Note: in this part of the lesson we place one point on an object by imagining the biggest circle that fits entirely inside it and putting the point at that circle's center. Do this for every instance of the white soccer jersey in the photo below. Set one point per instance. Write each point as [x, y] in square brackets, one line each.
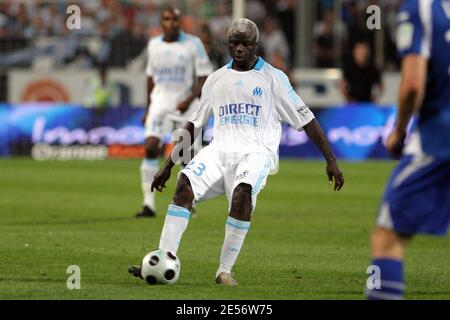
[248, 108]
[173, 66]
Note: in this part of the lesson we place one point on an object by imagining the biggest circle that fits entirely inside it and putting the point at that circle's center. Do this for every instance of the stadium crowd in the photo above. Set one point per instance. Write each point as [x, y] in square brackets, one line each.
[116, 31]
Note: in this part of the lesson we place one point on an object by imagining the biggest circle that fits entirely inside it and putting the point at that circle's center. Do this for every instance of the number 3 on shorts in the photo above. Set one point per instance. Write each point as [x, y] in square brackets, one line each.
[199, 170]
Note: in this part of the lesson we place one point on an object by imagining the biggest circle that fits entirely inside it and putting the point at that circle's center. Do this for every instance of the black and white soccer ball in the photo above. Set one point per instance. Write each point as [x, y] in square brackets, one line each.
[160, 267]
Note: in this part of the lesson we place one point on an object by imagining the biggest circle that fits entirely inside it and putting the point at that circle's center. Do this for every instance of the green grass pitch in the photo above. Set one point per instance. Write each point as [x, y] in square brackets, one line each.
[305, 242]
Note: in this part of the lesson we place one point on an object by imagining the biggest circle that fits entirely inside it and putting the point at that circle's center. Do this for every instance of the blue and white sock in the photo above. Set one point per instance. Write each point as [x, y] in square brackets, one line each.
[235, 232]
[391, 285]
[176, 222]
[149, 168]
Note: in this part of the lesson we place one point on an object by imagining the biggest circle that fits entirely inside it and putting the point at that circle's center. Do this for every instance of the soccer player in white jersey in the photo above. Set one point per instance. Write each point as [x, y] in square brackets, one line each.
[176, 70]
[248, 99]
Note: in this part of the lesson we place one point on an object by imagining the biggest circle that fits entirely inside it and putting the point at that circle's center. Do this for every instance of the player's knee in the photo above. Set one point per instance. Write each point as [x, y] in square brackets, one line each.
[183, 193]
[152, 149]
[388, 243]
[241, 203]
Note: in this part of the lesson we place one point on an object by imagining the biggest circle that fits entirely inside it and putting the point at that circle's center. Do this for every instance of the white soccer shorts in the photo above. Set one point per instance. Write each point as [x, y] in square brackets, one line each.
[213, 172]
[160, 123]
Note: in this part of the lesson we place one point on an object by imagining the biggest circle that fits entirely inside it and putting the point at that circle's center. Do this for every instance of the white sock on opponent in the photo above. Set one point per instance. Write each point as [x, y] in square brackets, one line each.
[235, 232]
[149, 168]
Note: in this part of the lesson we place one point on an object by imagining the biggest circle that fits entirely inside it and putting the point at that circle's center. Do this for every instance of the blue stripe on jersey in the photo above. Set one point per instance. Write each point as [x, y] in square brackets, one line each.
[259, 64]
[285, 80]
[200, 51]
[182, 37]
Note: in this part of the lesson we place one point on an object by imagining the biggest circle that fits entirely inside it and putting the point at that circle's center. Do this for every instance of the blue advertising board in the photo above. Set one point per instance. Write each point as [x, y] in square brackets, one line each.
[355, 132]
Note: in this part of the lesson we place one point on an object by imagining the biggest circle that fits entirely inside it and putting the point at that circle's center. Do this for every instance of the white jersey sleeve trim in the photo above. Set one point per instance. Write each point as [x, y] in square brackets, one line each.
[425, 13]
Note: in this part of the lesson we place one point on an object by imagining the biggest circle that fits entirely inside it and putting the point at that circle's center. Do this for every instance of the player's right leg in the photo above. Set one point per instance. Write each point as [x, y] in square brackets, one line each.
[201, 179]
[416, 200]
[178, 215]
[176, 222]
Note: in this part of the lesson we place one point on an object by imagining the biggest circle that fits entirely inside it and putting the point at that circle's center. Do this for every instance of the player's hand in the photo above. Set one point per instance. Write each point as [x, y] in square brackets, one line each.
[160, 179]
[333, 172]
[183, 106]
[396, 142]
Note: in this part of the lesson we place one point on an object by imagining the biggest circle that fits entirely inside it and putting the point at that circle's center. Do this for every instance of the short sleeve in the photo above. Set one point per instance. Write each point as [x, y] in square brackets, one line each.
[149, 68]
[413, 29]
[203, 110]
[289, 105]
[203, 66]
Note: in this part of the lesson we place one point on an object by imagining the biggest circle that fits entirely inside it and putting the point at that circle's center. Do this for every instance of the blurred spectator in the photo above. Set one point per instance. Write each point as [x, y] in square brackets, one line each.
[255, 11]
[222, 21]
[100, 91]
[273, 41]
[279, 62]
[114, 29]
[390, 34]
[129, 40]
[3, 25]
[355, 19]
[286, 11]
[361, 77]
[326, 33]
[215, 55]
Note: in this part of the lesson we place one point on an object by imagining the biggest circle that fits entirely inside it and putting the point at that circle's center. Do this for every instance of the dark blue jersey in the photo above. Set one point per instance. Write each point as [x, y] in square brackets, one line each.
[424, 29]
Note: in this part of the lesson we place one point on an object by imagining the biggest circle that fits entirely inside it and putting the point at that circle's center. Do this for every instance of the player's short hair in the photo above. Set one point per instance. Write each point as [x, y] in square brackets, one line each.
[171, 8]
[244, 25]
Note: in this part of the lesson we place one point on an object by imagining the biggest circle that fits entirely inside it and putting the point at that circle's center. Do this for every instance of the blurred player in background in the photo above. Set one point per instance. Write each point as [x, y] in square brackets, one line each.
[177, 68]
[417, 198]
[248, 99]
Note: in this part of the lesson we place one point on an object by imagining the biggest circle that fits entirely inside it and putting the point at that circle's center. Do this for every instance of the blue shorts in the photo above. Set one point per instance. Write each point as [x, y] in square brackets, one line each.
[417, 197]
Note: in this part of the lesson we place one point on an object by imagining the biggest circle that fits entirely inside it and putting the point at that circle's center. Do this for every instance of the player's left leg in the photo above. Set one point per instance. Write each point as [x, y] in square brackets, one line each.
[247, 181]
[236, 228]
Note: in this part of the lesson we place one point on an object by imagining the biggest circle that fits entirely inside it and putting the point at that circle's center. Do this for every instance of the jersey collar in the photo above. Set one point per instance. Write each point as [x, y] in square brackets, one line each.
[181, 37]
[258, 65]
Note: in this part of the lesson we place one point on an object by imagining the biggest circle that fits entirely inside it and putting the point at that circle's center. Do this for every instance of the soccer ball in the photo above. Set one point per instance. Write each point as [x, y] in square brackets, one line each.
[160, 267]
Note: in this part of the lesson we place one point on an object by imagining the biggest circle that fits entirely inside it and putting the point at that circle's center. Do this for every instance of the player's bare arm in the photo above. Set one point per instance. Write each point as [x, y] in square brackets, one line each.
[163, 175]
[316, 134]
[150, 86]
[412, 90]
[195, 92]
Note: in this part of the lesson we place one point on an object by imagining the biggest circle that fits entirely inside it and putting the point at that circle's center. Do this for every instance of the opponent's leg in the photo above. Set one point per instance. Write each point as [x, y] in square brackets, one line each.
[388, 249]
[236, 228]
[178, 214]
[149, 168]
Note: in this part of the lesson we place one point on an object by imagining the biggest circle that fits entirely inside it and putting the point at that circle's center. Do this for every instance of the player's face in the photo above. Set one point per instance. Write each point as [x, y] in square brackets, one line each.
[242, 47]
[170, 24]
